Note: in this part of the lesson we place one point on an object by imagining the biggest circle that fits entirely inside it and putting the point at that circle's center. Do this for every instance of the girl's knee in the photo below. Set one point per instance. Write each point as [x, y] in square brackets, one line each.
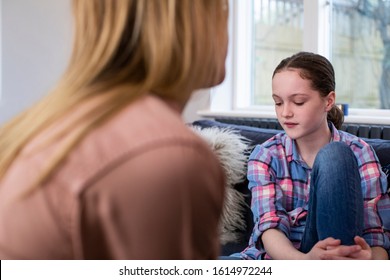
[335, 151]
[336, 157]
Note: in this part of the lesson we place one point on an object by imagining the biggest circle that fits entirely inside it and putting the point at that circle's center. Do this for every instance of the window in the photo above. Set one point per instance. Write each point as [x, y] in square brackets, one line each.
[278, 33]
[359, 39]
[353, 34]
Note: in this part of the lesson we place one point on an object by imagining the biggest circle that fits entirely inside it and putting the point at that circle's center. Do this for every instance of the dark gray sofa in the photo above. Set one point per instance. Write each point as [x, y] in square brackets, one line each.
[257, 136]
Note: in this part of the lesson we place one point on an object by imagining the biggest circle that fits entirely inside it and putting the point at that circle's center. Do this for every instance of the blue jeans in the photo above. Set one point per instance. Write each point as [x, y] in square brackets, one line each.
[336, 200]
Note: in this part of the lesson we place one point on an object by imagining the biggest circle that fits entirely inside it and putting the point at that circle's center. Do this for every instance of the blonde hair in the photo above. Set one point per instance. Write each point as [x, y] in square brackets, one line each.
[122, 50]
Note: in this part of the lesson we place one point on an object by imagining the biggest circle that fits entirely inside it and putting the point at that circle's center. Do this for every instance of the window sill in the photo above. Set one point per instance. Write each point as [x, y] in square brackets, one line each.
[380, 117]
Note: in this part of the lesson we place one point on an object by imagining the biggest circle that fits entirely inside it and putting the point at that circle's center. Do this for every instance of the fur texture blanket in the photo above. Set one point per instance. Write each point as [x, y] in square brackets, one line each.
[232, 151]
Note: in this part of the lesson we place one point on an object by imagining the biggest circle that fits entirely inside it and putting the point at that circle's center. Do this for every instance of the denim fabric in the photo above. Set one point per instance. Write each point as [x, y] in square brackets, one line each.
[336, 200]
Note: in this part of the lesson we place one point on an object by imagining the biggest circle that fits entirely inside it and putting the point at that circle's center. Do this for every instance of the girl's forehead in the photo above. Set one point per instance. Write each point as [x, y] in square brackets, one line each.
[290, 78]
[290, 83]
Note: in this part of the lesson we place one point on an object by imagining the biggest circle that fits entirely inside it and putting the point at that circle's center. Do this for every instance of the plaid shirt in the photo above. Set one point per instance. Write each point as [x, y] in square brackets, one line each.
[279, 181]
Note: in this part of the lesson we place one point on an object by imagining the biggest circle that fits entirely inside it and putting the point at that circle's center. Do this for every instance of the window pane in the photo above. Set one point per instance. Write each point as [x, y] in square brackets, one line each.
[278, 32]
[360, 36]
[359, 30]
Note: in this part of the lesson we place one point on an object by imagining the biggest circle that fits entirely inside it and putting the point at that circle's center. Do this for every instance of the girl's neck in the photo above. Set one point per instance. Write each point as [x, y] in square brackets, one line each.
[309, 146]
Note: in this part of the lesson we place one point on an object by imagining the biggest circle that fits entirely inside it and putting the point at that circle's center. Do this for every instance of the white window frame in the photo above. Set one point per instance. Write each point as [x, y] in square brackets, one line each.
[233, 97]
[1, 52]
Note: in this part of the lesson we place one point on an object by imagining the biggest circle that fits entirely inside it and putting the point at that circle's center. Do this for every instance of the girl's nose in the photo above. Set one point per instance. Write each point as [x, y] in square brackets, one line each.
[286, 111]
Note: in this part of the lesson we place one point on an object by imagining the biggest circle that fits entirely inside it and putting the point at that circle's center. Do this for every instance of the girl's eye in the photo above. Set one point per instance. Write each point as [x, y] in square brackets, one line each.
[299, 103]
[278, 103]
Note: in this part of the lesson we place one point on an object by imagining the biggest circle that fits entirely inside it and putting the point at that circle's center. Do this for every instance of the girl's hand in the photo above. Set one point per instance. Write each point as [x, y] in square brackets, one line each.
[360, 251]
[320, 248]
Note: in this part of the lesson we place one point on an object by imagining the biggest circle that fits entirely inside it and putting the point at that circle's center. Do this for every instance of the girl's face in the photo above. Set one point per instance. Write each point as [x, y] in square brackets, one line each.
[301, 110]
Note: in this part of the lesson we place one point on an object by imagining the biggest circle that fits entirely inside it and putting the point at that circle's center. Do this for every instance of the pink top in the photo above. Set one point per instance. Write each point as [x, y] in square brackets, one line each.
[142, 186]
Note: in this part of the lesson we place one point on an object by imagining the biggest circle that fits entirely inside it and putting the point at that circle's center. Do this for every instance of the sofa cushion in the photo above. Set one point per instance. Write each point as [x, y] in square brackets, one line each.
[382, 150]
[254, 134]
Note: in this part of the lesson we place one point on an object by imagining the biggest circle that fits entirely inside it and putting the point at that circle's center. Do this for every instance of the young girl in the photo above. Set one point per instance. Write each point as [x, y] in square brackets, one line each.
[104, 167]
[317, 192]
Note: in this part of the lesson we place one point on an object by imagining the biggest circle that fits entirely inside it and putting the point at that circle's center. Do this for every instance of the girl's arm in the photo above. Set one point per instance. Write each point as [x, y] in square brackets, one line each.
[376, 199]
[279, 247]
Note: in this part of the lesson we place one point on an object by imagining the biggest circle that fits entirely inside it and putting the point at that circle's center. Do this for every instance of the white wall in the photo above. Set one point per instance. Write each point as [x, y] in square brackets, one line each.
[36, 38]
[200, 100]
[36, 41]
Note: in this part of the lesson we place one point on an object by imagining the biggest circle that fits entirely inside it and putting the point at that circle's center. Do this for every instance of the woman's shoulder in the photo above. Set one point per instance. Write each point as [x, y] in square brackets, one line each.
[146, 127]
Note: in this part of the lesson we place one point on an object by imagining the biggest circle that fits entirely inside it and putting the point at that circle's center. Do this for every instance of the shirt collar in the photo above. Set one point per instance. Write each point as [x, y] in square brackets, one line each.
[292, 150]
[335, 133]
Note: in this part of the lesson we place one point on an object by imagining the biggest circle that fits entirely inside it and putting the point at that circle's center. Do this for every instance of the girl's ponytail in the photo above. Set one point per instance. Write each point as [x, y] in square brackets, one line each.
[336, 116]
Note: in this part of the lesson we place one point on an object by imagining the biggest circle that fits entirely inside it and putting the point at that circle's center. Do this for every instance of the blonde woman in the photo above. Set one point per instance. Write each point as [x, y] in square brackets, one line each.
[103, 167]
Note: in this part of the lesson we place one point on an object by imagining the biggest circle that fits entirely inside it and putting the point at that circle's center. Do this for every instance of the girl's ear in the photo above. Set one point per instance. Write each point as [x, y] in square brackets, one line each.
[330, 100]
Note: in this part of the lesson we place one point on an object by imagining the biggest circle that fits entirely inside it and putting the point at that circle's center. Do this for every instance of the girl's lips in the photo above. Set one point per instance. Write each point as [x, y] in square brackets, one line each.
[290, 125]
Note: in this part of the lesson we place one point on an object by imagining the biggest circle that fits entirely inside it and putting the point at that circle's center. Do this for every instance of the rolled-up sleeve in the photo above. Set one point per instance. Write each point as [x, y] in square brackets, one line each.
[376, 200]
[267, 195]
